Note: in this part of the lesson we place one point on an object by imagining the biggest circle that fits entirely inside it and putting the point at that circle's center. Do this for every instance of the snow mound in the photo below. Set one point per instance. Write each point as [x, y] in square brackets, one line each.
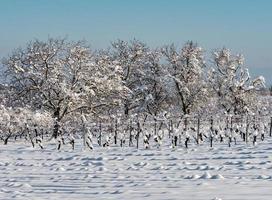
[262, 177]
[60, 169]
[206, 175]
[217, 176]
[195, 176]
[26, 186]
[216, 198]
[102, 169]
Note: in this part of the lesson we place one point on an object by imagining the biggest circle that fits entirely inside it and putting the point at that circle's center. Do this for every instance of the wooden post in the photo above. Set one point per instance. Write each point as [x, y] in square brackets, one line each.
[115, 131]
[130, 133]
[198, 130]
[100, 134]
[231, 122]
[231, 128]
[170, 128]
[227, 122]
[138, 133]
[270, 134]
[155, 126]
[247, 126]
[211, 134]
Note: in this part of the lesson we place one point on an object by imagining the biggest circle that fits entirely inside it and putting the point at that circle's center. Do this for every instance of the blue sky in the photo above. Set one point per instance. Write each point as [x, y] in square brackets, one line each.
[241, 25]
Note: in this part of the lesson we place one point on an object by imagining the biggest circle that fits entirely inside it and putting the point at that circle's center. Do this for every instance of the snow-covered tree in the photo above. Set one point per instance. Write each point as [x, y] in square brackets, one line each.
[154, 85]
[6, 95]
[5, 124]
[232, 84]
[62, 77]
[18, 122]
[131, 57]
[64, 89]
[185, 70]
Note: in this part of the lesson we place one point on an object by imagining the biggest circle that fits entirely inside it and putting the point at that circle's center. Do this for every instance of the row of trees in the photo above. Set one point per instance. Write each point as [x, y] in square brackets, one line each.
[73, 86]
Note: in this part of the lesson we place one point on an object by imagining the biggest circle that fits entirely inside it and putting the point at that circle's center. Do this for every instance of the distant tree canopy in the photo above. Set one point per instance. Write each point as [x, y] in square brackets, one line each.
[66, 79]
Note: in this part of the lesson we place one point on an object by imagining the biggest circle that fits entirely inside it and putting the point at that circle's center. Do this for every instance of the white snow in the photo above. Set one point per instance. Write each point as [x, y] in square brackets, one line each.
[239, 172]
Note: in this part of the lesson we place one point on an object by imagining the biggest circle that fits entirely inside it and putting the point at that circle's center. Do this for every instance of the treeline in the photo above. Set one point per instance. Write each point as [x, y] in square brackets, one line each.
[72, 86]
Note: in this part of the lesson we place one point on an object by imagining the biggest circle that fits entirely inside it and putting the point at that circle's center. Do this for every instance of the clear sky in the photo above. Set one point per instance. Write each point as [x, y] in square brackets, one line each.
[242, 25]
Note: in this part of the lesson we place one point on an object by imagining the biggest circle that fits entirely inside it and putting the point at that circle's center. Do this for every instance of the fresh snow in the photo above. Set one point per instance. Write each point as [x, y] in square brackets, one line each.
[240, 172]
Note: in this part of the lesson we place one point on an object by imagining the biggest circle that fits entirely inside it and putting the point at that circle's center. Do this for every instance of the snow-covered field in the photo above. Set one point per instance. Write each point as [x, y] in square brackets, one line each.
[239, 172]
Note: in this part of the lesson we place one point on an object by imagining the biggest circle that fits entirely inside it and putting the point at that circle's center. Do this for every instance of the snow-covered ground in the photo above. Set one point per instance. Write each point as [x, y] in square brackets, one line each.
[239, 172]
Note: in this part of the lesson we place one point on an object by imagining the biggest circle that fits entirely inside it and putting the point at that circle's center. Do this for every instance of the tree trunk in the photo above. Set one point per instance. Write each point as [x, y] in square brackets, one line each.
[186, 142]
[126, 109]
[6, 140]
[56, 123]
[31, 139]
